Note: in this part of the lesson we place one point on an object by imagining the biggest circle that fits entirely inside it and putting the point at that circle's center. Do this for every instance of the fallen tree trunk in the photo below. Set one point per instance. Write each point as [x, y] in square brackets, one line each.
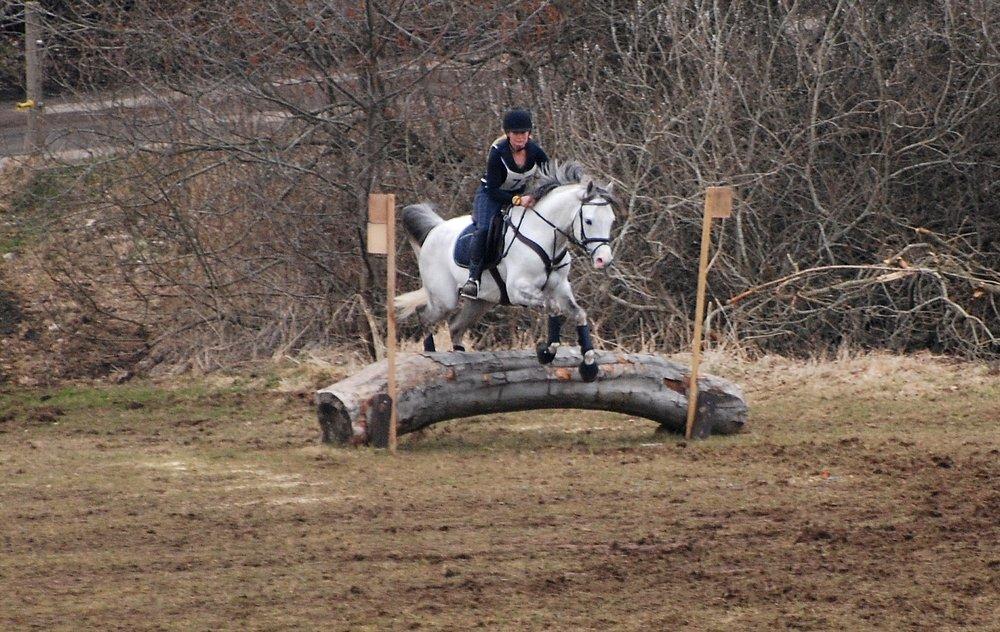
[435, 387]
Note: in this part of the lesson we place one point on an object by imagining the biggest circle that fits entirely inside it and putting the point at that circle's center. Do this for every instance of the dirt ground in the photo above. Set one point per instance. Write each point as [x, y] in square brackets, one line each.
[864, 496]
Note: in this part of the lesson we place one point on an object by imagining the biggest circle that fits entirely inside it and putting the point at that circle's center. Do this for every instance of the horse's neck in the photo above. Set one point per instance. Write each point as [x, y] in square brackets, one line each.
[557, 207]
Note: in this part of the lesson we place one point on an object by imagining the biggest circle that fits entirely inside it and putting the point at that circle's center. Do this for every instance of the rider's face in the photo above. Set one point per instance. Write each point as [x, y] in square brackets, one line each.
[518, 140]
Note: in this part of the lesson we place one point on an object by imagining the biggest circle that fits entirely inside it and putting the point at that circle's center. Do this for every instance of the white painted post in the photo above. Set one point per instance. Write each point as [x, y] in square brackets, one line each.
[32, 75]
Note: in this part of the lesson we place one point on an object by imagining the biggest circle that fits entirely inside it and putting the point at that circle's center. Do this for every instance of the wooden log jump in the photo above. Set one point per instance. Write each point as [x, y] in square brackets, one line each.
[435, 387]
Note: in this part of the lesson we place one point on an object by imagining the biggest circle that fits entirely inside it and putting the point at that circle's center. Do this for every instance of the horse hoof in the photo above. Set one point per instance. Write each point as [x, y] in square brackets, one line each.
[544, 355]
[588, 371]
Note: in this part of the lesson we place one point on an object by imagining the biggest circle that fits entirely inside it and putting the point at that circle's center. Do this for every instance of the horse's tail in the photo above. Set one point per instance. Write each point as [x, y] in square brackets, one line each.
[407, 304]
[419, 219]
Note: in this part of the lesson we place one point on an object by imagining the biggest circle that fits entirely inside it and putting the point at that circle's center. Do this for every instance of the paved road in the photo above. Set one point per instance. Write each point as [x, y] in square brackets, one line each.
[65, 124]
[68, 126]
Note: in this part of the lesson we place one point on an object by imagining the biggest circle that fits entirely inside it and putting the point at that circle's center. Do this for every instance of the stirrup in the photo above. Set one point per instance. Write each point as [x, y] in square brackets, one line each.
[470, 289]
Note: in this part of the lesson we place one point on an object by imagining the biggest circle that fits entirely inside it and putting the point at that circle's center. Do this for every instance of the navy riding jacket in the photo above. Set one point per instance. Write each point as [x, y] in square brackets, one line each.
[504, 179]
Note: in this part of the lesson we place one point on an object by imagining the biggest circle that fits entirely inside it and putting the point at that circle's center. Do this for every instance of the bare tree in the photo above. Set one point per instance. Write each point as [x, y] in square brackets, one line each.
[228, 221]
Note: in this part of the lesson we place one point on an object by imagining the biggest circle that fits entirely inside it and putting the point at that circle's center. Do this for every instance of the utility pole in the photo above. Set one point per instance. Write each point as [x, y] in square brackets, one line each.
[32, 74]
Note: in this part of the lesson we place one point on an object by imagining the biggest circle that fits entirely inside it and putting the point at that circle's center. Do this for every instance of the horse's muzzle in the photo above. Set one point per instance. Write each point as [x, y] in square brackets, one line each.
[602, 256]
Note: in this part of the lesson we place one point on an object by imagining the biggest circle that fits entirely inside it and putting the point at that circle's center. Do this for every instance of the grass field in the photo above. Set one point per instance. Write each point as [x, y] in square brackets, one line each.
[865, 495]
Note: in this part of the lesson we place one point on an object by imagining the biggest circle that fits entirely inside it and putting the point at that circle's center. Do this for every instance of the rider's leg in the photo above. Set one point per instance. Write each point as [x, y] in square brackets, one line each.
[477, 254]
[483, 209]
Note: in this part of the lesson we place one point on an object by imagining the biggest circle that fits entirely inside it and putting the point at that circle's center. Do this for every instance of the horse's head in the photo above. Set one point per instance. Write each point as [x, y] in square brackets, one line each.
[593, 229]
[578, 209]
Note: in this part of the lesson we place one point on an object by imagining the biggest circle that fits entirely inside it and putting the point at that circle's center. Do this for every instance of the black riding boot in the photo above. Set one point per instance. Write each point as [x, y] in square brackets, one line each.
[476, 256]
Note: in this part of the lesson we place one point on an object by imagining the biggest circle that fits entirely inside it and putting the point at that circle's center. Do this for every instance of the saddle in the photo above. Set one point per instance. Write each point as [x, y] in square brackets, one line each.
[494, 243]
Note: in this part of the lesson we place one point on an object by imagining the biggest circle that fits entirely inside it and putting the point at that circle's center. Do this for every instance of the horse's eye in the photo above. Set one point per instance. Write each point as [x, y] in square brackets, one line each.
[589, 222]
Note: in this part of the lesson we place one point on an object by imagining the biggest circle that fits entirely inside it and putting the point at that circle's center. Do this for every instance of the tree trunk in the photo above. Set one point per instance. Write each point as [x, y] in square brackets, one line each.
[434, 387]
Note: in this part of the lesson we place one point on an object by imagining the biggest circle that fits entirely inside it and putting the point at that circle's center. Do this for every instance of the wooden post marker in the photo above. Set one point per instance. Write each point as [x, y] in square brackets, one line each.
[382, 241]
[32, 75]
[718, 204]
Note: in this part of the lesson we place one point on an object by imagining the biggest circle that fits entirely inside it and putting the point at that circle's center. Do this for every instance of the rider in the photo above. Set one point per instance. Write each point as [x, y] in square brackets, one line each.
[514, 157]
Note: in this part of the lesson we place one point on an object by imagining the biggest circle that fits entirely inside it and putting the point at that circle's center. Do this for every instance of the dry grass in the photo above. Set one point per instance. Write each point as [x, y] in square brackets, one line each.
[865, 496]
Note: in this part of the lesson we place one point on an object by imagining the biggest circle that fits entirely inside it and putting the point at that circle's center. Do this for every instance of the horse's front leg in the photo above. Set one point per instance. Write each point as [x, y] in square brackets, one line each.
[588, 368]
[527, 293]
[546, 351]
[530, 293]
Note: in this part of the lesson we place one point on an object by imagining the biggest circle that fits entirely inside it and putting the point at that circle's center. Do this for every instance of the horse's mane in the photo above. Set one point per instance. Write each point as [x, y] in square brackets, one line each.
[555, 174]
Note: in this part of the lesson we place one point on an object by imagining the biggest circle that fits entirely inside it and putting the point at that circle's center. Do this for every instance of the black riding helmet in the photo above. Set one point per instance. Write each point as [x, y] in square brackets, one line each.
[517, 121]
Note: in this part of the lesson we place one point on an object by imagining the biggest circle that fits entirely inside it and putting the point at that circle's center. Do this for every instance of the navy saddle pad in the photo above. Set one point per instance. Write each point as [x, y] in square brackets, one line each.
[463, 245]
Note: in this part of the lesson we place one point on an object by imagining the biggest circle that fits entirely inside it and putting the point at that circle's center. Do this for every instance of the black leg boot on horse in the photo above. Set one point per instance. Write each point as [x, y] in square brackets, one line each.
[546, 351]
[588, 368]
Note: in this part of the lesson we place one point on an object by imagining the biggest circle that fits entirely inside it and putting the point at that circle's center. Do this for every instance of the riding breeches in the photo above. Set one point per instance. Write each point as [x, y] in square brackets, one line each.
[484, 209]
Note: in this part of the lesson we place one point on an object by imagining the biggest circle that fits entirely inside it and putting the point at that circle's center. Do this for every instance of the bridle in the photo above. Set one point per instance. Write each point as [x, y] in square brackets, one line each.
[552, 262]
[585, 242]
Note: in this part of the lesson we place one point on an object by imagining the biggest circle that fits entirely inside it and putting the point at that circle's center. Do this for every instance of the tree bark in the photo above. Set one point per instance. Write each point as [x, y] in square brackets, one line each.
[435, 387]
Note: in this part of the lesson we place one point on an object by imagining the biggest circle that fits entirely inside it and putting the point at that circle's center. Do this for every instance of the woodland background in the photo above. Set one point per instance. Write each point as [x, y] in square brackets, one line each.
[862, 139]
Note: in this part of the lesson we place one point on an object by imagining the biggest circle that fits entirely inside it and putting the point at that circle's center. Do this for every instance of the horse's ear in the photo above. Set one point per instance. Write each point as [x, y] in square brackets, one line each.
[610, 188]
[590, 189]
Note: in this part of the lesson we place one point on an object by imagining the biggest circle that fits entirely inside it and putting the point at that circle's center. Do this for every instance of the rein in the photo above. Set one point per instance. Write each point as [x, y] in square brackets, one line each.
[583, 230]
[551, 262]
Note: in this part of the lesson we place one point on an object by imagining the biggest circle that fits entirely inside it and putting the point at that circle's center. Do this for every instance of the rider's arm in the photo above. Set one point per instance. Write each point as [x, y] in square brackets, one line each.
[537, 154]
[496, 175]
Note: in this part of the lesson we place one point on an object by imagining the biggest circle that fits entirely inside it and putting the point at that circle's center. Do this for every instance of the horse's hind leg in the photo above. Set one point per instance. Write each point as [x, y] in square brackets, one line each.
[429, 343]
[469, 313]
[430, 315]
